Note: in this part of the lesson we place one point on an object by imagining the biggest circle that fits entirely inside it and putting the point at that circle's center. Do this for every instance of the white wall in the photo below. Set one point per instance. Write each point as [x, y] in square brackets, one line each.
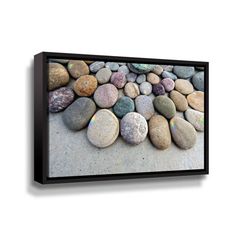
[200, 30]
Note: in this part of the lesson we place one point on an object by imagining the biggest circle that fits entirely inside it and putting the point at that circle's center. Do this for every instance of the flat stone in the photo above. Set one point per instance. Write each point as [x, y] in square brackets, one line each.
[184, 72]
[144, 106]
[131, 90]
[131, 77]
[124, 69]
[159, 132]
[85, 85]
[59, 99]
[196, 118]
[118, 79]
[113, 66]
[196, 100]
[153, 78]
[78, 114]
[106, 95]
[77, 68]
[145, 88]
[198, 81]
[141, 78]
[140, 68]
[103, 129]
[96, 66]
[158, 89]
[134, 128]
[167, 74]
[183, 86]
[157, 69]
[123, 106]
[179, 100]
[58, 76]
[103, 75]
[165, 106]
[183, 133]
[168, 84]
[62, 61]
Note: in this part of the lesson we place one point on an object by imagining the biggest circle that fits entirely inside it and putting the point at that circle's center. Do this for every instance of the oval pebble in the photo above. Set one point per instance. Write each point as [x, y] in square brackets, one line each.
[196, 118]
[198, 81]
[158, 89]
[157, 70]
[106, 95]
[179, 100]
[77, 68]
[118, 79]
[103, 128]
[58, 76]
[96, 66]
[124, 69]
[183, 86]
[183, 133]
[168, 84]
[131, 90]
[59, 99]
[184, 72]
[144, 106]
[159, 132]
[78, 114]
[153, 78]
[167, 74]
[165, 106]
[134, 128]
[196, 100]
[141, 78]
[103, 75]
[85, 85]
[131, 77]
[123, 106]
[140, 68]
[145, 88]
[113, 66]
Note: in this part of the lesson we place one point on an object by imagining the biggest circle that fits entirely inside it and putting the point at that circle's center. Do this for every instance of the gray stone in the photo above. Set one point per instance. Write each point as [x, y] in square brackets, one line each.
[96, 66]
[157, 69]
[141, 78]
[167, 74]
[183, 86]
[168, 68]
[198, 81]
[103, 75]
[124, 69]
[131, 77]
[113, 66]
[144, 106]
[184, 72]
[145, 88]
[196, 118]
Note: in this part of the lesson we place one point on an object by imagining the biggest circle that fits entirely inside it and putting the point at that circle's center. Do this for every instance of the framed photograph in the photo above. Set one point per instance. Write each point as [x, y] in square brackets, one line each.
[106, 117]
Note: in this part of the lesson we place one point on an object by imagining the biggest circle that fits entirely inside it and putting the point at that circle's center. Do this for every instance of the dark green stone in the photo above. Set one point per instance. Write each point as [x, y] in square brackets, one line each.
[123, 106]
[140, 68]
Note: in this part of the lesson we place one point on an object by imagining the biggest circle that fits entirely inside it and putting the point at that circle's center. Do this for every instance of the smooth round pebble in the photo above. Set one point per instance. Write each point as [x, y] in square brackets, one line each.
[183, 86]
[103, 128]
[157, 69]
[59, 99]
[168, 84]
[165, 106]
[184, 72]
[131, 90]
[179, 100]
[198, 81]
[106, 95]
[77, 68]
[141, 78]
[183, 133]
[140, 68]
[124, 69]
[145, 88]
[196, 100]
[158, 89]
[78, 114]
[159, 132]
[133, 128]
[131, 77]
[96, 66]
[118, 79]
[167, 74]
[144, 106]
[196, 118]
[103, 75]
[85, 85]
[153, 78]
[58, 76]
[123, 106]
[113, 66]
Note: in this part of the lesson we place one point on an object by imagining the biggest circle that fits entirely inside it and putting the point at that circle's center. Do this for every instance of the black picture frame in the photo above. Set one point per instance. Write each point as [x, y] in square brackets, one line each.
[41, 139]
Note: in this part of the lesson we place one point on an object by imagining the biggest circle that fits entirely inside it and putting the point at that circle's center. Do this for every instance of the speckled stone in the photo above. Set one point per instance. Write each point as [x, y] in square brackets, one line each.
[59, 99]
[168, 84]
[131, 90]
[131, 77]
[179, 100]
[153, 78]
[157, 69]
[123, 106]
[140, 68]
[159, 132]
[183, 86]
[113, 66]
[141, 78]
[103, 129]
[196, 100]
[106, 95]
[145, 88]
[96, 66]
[167, 74]
[78, 114]
[85, 85]
[103, 75]
[144, 106]
[198, 81]
[77, 68]
[184, 72]
[196, 118]
[133, 128]
[168, 68]
[158, 89]
[58, 76]
[183, 133]
[165, 106]
[124, 69]
[118, 79]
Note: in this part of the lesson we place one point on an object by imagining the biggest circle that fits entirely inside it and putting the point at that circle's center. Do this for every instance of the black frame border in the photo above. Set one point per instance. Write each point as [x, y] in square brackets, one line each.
[41, 164]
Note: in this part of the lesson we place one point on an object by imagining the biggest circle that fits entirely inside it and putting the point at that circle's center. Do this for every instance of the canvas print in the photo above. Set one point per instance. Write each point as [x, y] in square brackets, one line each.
[109, 117]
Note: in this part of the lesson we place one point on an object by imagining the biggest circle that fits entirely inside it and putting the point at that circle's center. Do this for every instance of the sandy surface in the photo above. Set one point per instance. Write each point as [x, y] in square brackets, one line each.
[71, 154]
